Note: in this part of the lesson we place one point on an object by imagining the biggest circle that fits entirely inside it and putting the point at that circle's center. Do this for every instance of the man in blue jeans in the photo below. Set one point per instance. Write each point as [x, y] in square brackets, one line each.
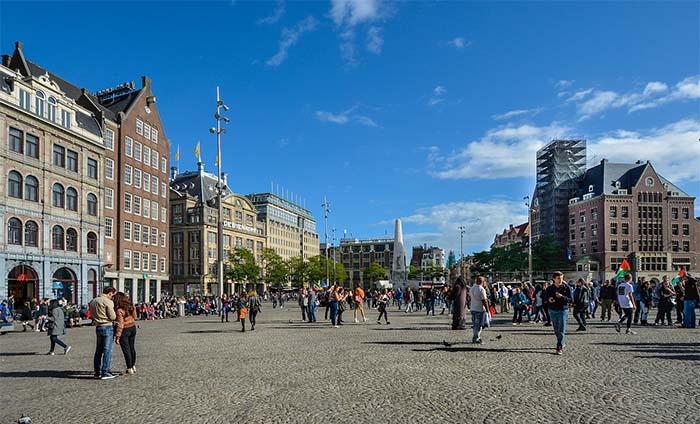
[479, 306]
[558, 297]
[103, 316]
[692, 296]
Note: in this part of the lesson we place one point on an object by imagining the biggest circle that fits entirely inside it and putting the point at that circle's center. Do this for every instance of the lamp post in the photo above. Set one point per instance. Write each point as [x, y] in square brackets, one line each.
[335, 277]
[529, 238]
[461, 229]
[326, 209]
[219, 189]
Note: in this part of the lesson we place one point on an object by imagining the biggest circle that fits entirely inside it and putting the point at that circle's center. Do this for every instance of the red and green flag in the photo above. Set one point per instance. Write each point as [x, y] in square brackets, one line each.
[677, 278]
[624, 269]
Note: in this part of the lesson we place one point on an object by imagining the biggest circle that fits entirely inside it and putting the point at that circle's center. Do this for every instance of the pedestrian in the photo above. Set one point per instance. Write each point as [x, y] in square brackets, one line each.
[479, 307]
[430, 301]
[312, 304]
[645, 302]
[125, 332]
[665, 303]
[558, 297]
[243, 309]
[342, 296]
[382, 303]
[56, 324]
[503, 297]
[625, 298]
[691, 296]
[303, 304]
[582, 299]
[678, 289]
[26, 316]
[333, 305]
[43, 315]
[595, 294]
[358, 298]
[459, 299]
[225, 307]
[410, 298]
[254, 305]
[607, 296]
[103, 317]
[519, 303]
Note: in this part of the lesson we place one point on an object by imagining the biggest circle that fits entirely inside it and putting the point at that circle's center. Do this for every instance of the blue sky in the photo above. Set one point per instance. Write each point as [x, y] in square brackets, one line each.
[427, 111]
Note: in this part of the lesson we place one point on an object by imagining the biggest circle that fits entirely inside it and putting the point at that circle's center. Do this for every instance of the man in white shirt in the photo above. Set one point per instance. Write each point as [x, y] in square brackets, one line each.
[479, 305]
[625, 298]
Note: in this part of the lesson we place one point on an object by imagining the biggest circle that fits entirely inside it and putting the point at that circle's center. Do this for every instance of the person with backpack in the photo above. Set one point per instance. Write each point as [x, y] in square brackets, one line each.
[582, 299]
[56, 324]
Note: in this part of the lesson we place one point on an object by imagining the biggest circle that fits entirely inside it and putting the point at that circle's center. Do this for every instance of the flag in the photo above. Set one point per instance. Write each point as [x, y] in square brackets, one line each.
[177, 153]
[217, 161]
[624, 269]
[196, 150]
[677, 278]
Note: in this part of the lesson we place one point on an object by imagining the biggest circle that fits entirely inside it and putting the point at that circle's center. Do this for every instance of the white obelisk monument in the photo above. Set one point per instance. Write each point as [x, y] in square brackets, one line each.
[399, 275]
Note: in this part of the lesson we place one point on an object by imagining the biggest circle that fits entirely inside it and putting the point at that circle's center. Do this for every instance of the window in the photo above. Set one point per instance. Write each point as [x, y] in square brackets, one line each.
[686, 213]
[137, 205]
[163, 164]
[109, 169]
[127, 259]
[127, 202]
[109, 228]
[14, 231]
[573, 234]
[154, 137]
[71, 240]
[162, 239]
[137, 151]
[109, 139]
[137, 178]
[686, 229]
[146, 208]
[32, 146]
[58, 196]
[128, 146]
[14, 184]
[39, 102]
[674, 229]
[51, 115]
[625, 245]
[154, 159]
[57, 238]
[146, 182]
[613, 211]
[162, 264]
[65, 118]
[154, 185]
[154, 262]
[15, 140]
[674, 213]
[146, 234]
[71, 199]
[128, 171]
[127, 230]
[144, 258]
[25, 100]
[146, 155]
[613, 245]
[594, 230]
[92, 204]
[163, 214]
[59, 156]
[674, 246]
[139, 127]
[92, 243]
[154, 236]
[31, 234]
[109, 198]
[582, 217]
[163, 189]
[154, 211]
[147, 131]
[625, 212]
[31, 189]
[137, 260]
[625, 228]
[686, 246]
[613, 228]
[72, 161]
[92, 168]
[137, 233]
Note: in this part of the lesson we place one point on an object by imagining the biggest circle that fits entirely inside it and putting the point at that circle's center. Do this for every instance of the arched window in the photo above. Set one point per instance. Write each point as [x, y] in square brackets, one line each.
[31, 234]
[92, 204]
[57, 239]
[52, 109]
[71, 240]
[14, 184]
[31, 189]
[14, 231]
[59, 198]
[39, 103]
[92, 242]
[71, 199]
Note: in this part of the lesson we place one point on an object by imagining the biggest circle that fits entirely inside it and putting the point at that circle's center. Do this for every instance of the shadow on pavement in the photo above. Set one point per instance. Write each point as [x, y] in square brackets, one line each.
[79, 375]
[543, 351]
[690, 357]
[683, 351]
[18, 353]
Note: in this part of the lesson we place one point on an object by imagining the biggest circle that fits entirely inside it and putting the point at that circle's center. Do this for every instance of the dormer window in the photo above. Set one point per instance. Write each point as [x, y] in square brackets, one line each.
[25, 99]
[51, 109]
[66, 118]
[617, 184]
[590, 188]
[39, 102]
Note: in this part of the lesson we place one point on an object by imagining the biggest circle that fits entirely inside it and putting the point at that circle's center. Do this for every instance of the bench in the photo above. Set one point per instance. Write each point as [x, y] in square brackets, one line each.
[6, 327]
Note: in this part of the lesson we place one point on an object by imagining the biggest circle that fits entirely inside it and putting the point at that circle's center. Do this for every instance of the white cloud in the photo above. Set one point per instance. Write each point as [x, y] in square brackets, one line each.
[439, 90]
[290, 37]
[375, 42]
[345, 117]
[655, 87]
[504, 152]
[562, 84]
[438, 95]
[276, 14]
[597, 103]
[687, 89]
[459, 43]
[515, 113]
[579, 95]
[353, 12]
[438, 225]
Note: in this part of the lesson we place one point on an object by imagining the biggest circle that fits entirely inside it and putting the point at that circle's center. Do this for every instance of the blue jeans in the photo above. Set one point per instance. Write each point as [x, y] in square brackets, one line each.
[477, 318]
[559, 324]
[312, 312]
[103, 351]
[334, 311]
[430, 306]
[689, 314]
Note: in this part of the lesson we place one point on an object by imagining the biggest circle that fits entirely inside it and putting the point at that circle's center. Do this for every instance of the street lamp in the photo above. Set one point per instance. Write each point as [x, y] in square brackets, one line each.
[461, 229]
[326, 209]
[529, 238]
[334, 260]
[219, 188]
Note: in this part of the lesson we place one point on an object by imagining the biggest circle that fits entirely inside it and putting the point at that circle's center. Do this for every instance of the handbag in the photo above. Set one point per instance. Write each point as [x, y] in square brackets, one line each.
[486, 320]
[243, 313]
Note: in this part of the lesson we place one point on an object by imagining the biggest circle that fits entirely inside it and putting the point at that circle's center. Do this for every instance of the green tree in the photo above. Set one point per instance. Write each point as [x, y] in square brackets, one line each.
[276, 270]
[413, 272]
[317, 269]
[298, 271]
[374, 272]
[483, 263]
[549, 255]
[242, 266]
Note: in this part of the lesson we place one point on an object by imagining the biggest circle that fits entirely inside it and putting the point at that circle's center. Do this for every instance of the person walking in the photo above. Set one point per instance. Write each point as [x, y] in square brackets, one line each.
[125, 332]
[342, 296]
[645, 302]
[225, 307]
[312, 304]
[519, 303]
[382, 303]
[103, 315]
[254, 305]
[678, 289]
[595, 294]
[243, 309]
[607, 296]
[303, 304]
[625, 298]
[333, 304]
[478, 306]
[56, 327]
[691, 296]
[665, 303]
[582, 299]
[558, 297]
[26, 317]
[358, 298]
[459, 299]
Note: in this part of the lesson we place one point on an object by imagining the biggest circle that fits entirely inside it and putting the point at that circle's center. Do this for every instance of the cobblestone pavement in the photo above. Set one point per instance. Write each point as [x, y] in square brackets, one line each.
[197, 370]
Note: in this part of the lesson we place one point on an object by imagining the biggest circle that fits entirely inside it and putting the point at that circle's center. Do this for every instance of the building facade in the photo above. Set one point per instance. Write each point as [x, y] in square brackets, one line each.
[629, 211]
[194, 229]
[291, 229]
[358, 254]
[512, 234]
[52, 190]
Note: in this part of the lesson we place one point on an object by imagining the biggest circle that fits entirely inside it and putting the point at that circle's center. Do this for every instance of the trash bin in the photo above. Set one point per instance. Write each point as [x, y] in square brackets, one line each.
[181, 309]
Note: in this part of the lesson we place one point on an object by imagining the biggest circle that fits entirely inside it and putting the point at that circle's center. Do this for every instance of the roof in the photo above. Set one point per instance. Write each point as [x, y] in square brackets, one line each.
[198, 184]
[123, 103]
[603, 177]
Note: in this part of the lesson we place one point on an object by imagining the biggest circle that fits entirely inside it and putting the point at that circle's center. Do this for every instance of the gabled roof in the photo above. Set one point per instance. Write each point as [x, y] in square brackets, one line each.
[604, 176]
[123, 103]
[200, 185]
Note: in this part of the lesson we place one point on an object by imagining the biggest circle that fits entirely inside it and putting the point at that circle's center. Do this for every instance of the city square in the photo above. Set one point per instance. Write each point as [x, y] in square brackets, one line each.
[197, 369]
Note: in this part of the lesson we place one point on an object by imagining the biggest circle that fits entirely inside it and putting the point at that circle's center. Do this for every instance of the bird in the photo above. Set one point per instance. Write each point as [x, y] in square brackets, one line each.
[290, 321]
[498, 337]
[446, 344]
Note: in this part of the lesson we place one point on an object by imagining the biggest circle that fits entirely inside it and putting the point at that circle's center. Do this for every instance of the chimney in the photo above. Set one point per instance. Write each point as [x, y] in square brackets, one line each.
[224, 178]
[145, 82]
[511, 226]
[173, 173]
[200, 166]
[6, 60]
[604, 161]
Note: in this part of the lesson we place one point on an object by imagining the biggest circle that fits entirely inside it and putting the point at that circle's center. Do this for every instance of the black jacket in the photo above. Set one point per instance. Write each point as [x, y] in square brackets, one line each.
[558, 304]
[582, 296]
[608, 292]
